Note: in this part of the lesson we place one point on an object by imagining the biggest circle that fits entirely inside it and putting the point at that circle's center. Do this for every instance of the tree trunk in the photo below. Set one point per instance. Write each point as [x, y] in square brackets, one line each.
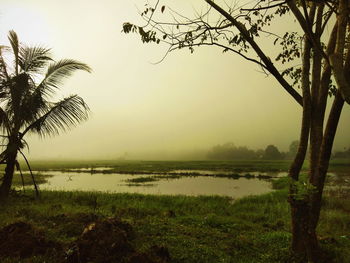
[325, 154]
[305, 210]
[9, 170]
[304, 238]
[11, 155]
[304, 241]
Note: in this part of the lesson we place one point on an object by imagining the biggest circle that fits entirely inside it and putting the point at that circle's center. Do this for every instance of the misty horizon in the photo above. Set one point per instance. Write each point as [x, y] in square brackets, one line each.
[188, 102]
[196, 154]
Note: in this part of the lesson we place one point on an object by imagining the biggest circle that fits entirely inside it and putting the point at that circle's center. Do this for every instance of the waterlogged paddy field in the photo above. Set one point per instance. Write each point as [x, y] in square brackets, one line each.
[235, 179]
[184, 185]
[341, 165]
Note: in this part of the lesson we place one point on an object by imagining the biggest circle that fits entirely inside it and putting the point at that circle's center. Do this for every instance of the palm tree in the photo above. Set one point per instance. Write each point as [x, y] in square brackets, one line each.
[25, 105]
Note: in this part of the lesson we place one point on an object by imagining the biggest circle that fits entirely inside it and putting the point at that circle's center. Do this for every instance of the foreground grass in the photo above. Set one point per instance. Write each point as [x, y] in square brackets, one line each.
[195, 229]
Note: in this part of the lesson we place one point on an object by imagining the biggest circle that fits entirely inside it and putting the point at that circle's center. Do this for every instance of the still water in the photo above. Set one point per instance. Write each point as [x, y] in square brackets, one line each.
[116, 183]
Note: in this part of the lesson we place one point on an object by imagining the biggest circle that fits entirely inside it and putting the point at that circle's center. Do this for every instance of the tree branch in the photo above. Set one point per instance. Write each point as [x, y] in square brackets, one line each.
[302, 21]
[268, 63]
[336, 59]
[263, 8]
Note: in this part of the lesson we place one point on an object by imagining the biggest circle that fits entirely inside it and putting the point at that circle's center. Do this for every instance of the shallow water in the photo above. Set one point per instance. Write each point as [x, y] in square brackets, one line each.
[116, 183]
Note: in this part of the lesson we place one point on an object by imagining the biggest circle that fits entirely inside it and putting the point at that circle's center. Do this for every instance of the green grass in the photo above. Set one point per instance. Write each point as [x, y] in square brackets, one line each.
[206, 229]
[165, 166]
[340, 165]
[148, 179]
[27, 179]
[195, 229]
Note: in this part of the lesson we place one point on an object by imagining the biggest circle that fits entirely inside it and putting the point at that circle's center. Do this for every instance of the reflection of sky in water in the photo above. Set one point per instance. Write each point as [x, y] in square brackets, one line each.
[200, 185]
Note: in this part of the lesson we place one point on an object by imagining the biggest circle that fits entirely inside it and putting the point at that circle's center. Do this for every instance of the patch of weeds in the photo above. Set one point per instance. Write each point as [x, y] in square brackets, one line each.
[273, 246]
[90, 200]
[168, 176]
[39, 179]
[141, 180]
[280, 183]
[139, 184]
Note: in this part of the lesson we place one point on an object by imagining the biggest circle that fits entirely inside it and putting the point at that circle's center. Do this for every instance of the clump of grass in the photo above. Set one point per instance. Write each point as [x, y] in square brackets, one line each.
[139, 184]
[280, 183]
[40, 178]
[147, 179]
[141, 180]
[284, 182]
[168, 176]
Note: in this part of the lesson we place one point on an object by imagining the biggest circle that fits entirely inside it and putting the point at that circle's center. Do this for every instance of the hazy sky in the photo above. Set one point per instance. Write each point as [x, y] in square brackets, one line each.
[187, 102]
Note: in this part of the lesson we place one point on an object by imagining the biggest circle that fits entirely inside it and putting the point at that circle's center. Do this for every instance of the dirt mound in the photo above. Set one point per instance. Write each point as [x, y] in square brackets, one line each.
[155, 255]
[23, 240]
[109, 240]
[102, 241]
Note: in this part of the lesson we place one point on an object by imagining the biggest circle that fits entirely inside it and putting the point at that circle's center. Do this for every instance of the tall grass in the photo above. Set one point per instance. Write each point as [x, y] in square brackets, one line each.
[195, 229]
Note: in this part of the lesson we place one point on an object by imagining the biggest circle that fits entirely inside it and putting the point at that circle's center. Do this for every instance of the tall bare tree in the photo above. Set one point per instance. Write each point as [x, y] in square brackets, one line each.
[323, 57]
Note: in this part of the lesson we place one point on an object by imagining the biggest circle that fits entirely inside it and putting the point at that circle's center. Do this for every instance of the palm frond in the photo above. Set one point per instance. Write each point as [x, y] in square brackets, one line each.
[61, 116]
[3, 94]
[34, 59]
[13, 38]
[32, 107]
[3, 156]
[57, 72]
[4, 122]
[20, 89]
[3, 67]
[24, 105]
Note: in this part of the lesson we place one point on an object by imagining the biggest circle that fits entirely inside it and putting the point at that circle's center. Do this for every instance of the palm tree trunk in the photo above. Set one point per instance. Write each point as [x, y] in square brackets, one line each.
[9, 170]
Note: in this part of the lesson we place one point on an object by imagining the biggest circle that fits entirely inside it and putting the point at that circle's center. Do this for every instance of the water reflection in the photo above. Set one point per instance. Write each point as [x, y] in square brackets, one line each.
[116, 183]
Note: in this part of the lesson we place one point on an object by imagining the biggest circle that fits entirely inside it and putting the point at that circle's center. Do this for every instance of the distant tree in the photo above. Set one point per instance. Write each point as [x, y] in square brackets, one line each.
[25, 100]
[293, 149]
[272, 153]
[259, 153]
[312, 53]
[229, 151]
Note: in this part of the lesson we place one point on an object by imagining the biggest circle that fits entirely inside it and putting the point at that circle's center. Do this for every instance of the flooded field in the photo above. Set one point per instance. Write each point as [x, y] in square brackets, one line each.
[234, 179]
[156, 184]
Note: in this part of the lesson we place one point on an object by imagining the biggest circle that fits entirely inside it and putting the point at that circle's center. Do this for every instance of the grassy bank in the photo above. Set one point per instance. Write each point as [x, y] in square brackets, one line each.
[194, 229]
[27, 179]
[165, 166]
[341, 165]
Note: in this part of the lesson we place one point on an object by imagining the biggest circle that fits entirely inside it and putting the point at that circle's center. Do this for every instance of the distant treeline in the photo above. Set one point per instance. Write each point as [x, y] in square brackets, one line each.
[229, 151]
[342, 154]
